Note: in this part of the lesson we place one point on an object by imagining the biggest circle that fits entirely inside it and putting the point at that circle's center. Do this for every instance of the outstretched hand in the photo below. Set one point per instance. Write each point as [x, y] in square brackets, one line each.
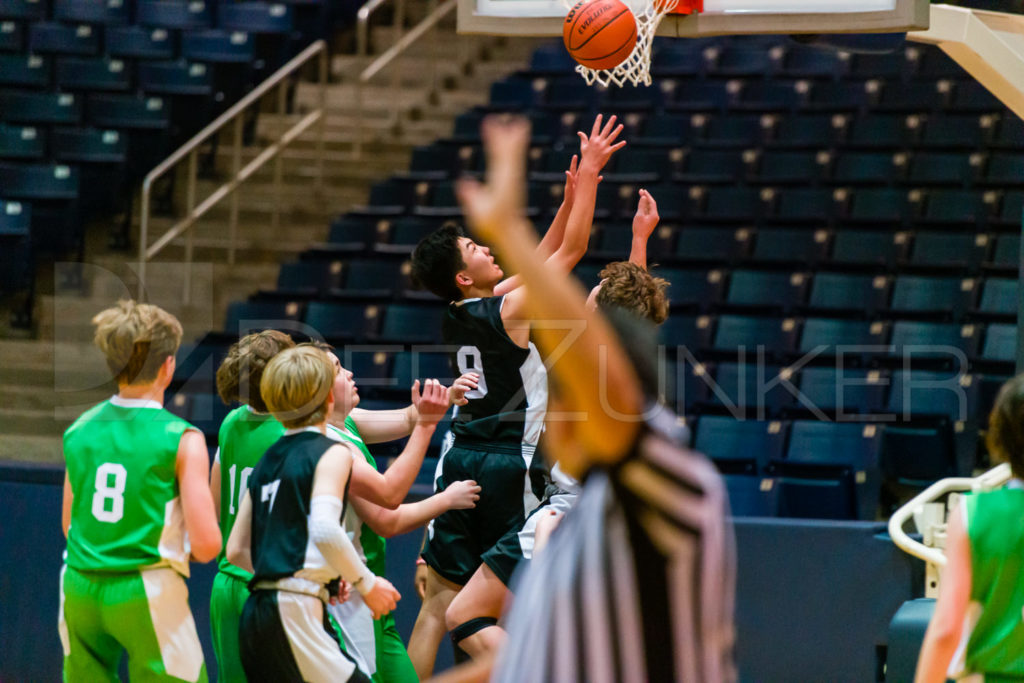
[646, 218]
[597, 148]
[460, 387]
[489, 207]
[432, 403]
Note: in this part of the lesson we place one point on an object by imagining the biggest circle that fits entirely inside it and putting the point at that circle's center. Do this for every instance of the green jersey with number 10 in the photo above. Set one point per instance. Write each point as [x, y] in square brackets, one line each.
[126, 513]
[244, 437]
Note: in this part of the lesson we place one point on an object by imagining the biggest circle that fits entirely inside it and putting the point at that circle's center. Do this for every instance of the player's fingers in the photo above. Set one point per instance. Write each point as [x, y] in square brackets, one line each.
[572, 164]
[609, 126]
[615, 133]
[596, 130]
[618, 145]
[583, 138]
[415, 390]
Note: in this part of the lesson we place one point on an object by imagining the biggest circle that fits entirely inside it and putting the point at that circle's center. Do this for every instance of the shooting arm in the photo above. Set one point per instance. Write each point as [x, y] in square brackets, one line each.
[403, 519]
[390, 488]
[379, 426]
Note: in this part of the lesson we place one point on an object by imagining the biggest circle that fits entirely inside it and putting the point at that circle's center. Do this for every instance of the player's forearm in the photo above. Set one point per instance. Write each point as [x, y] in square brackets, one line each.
[936, 653]
[400, 477]
[638, 251]
[581, 217]
[379, 426]
[553, 238]
[405, 518]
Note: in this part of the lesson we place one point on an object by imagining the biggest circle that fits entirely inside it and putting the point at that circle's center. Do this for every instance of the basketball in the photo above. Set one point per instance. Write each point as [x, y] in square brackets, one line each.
[599, 34]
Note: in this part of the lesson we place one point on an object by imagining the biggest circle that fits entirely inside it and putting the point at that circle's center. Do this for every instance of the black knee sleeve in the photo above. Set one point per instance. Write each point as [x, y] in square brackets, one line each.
[465, 630]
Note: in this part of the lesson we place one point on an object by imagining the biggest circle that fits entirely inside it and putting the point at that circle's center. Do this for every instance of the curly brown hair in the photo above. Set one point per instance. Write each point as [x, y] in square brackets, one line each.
[136, 340]
[1005, 436]
[626, 285]
[239, 376]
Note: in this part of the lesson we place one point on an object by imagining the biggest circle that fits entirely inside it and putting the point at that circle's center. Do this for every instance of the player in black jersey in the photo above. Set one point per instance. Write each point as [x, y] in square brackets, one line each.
[289, 534]
[496, 433]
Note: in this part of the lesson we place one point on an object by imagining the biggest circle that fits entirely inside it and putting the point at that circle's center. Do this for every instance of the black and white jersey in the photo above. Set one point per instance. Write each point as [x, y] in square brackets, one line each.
[637, 582]
[280, 488]
[510, 403]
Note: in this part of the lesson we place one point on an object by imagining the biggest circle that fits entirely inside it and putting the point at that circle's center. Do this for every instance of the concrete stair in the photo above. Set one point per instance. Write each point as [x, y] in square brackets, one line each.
[50, 377]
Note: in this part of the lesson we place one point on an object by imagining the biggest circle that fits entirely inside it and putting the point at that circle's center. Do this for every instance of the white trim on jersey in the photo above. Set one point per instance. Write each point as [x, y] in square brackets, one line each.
[535, 383]
[356, 623]
[134, 402]
[174, 546]
[167, 596]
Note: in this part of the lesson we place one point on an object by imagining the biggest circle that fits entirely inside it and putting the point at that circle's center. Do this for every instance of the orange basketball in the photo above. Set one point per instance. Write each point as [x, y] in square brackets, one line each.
[599, 34]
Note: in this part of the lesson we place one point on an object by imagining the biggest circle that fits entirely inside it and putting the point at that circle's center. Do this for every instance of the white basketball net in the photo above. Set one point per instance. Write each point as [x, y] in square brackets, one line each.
[636, 68]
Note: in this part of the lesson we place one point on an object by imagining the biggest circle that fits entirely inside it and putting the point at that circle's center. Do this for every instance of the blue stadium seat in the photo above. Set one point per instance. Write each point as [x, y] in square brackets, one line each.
[848, 393]
[734, 205]
[406, 232]
[89, 145]
[49, 38]
[39, 181]
[635, 99]
[693, 288]
[916, 454]
[773, 290]
[950, 207]
[800, 205]
[371, 368]
[679, 58]
[12, 36]
[740, 446]
[646, 165]
[139, 43]
[15, 218]
[665, 129]
[247, 316]
[928, 339]
[31, 71]
[513, 94]
[887, 131]
[409, 366]
[809, 62]
[974, 97]
[712, 166]
[838, 97]
[867, 168]
[869, 248]
[571, 94]
[744, 61]
[1010, 133]
[769, 96]
[879, 206]
[255, 17]
[31, 10]
[78, 73]
[216, 46]
[734, 130]
[309, 278]
[791, 246]
[749, 391]
[715, 245]
[926, 294]
[933, 168]
[372, 278]
[815, 131]
[925, 393]
[175, 78]
[356, 233]
[104, 12]
[844, 444]
[1006, 253]
[814, 492]
[890, 65]
[960, 131]
[22, 142]
[551, 59]
[849, 292]
[950, 250]
[1011, 209]
[1000, 343]
[342, 322]
[999, 296]
[751, 496]
[174, 14]
[835, 336]
[19, 106]
[701, 96]
[777, 337]
[1005, 169]
[404, 323]
[128, 111]
[691, 331]
[911, 97]
[937, 64]
[779, 168]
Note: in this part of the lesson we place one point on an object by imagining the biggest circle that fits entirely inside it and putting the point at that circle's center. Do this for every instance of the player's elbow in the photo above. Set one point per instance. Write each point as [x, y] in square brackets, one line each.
[206, 545]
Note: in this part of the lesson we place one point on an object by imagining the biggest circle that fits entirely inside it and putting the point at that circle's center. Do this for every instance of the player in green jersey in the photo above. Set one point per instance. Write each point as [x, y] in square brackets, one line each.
[136, 506]
[370, 523]
[244, 436]
[977, 632]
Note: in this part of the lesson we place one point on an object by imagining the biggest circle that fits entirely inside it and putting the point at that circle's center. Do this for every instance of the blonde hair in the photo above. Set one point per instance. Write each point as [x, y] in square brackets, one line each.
[240, 374]
[136, 340]
[296, 386]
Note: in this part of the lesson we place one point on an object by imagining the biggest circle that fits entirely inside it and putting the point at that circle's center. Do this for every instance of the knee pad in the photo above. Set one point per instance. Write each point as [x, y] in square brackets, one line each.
[465, 630]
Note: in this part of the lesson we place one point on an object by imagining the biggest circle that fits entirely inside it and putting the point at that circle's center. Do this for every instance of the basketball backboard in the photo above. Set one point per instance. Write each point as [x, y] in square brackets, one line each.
[719, 17]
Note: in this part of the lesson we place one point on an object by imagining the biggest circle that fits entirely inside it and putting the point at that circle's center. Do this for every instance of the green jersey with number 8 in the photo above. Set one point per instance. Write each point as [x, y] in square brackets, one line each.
[244, 437]
[126, 513]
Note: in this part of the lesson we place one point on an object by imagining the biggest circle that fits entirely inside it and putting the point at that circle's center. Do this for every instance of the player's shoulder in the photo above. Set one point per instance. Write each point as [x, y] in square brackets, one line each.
[85, 418]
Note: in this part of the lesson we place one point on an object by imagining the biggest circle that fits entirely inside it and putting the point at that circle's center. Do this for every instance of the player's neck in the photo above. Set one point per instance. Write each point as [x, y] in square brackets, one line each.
[142, 392]
[337, 418]
[474, 292]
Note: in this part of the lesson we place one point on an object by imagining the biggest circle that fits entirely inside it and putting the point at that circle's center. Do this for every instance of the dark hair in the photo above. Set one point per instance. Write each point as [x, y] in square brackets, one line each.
[628, 286]
[1005, 437]
[437, 259]
[240, 374]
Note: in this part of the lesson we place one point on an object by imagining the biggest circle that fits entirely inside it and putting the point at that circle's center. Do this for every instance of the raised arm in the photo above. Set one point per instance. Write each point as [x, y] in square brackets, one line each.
[595, 361]
[595, 151]
[379, 426]
[943, 634]
[644, 223]
[389, 488]
[388, 523]
[193, 469]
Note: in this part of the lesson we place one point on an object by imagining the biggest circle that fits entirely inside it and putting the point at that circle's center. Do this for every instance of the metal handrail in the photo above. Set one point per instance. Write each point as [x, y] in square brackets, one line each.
[239, 173]
[402, 41]
[994, 478]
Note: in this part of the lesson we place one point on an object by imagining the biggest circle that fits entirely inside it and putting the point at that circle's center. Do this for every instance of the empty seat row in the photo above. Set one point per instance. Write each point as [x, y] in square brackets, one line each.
[77, 24]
